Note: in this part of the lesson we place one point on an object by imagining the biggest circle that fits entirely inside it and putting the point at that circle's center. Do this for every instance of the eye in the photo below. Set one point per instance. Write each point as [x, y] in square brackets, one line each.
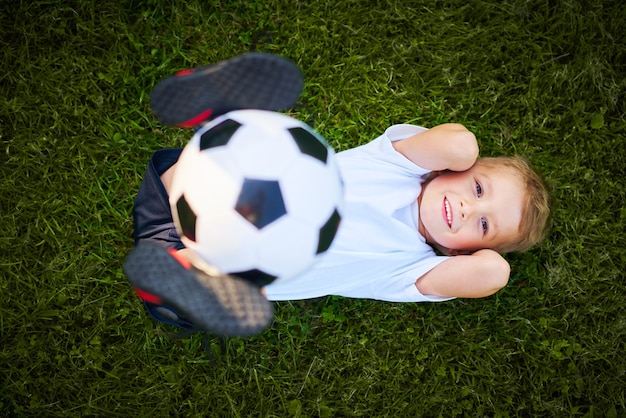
[479, 189]
[484, 224]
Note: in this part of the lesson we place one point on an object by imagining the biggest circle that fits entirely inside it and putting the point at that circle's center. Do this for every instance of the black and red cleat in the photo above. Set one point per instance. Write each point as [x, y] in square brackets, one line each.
[221, 304]
[255, 80]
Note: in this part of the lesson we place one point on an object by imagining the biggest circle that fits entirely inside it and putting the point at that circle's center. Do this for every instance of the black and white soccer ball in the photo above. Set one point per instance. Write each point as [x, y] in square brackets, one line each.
[257, 194]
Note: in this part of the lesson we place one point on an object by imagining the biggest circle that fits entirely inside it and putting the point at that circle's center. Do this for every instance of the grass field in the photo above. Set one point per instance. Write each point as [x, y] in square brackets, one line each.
[545, 79]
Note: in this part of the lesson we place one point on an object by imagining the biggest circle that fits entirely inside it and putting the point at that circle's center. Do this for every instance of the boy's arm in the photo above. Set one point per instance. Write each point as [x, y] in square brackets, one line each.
[480, 274]
[450, 146]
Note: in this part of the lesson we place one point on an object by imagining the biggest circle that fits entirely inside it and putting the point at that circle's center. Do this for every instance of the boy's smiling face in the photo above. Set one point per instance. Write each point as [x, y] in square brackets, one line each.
[462, 212]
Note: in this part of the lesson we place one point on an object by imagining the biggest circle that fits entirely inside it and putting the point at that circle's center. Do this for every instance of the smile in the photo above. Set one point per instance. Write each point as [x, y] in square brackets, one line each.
[447, 212]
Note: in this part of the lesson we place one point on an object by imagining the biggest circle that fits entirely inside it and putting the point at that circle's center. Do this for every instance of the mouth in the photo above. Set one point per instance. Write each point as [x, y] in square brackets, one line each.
[447, 212]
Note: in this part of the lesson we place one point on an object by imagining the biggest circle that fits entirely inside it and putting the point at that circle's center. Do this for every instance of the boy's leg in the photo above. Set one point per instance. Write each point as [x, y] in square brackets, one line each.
[220, 304]
[250, 81]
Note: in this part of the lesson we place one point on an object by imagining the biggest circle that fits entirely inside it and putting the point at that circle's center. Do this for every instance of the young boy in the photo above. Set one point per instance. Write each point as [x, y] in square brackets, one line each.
[409, 193]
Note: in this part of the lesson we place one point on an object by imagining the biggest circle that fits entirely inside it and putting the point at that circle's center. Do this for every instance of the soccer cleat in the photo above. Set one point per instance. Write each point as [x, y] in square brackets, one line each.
[254, 80]
[221, 304]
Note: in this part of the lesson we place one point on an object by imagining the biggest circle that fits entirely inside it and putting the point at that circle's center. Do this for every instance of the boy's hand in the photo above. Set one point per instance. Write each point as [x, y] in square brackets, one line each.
[478, 275]
[450, 146]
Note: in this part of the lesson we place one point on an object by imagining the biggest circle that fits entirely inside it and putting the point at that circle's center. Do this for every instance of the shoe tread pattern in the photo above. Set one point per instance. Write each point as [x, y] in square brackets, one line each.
[223, 305]
[251, 81]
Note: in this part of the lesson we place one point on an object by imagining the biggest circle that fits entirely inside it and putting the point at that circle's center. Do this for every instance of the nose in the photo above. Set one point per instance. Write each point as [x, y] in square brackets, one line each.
[467, 209]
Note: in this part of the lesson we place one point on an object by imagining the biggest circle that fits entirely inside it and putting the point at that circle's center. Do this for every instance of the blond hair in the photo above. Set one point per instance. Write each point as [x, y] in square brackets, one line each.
[536, 211]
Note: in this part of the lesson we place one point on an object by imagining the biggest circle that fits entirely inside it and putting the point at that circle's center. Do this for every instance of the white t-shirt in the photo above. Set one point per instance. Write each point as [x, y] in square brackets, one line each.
[378, 252]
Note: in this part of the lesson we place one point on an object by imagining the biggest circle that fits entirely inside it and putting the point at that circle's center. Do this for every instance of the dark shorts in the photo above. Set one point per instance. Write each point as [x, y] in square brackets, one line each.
[152, 215]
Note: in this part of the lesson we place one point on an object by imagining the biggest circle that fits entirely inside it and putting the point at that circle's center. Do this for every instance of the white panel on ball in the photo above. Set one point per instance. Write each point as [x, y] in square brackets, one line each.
[227, 242]
[287, 257]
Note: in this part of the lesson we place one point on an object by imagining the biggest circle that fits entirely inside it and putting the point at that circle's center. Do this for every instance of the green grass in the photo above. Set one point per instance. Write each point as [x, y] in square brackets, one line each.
[542, 79]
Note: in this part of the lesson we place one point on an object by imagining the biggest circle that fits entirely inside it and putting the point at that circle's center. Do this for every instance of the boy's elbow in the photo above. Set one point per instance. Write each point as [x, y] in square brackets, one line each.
[466, 148]
[495, 271]
[500, 271]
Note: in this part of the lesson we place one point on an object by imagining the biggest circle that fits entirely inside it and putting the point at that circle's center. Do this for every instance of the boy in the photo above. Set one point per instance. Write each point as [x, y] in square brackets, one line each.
[408, 192]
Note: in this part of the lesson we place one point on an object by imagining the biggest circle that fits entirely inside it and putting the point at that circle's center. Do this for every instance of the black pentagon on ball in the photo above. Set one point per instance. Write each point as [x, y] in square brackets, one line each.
[219, 135]
[260, 202]
[328, 232]
[256, 277]
[309, 144]
[187, 218]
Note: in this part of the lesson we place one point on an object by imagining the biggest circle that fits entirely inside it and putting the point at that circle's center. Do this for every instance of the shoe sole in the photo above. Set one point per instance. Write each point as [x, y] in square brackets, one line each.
[251, 81]
[223, 305]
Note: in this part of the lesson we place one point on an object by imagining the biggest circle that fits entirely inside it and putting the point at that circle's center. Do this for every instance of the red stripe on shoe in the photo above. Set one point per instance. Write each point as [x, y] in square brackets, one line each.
[184, 72]
[148, 297]
[180, 258]
[197, 120]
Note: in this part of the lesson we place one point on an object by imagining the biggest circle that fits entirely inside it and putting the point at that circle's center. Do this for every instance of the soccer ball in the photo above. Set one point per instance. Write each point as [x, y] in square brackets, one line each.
[257, 194]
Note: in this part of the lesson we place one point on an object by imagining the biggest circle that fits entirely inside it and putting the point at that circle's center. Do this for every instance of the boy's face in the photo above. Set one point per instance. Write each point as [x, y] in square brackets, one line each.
[480, 208]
